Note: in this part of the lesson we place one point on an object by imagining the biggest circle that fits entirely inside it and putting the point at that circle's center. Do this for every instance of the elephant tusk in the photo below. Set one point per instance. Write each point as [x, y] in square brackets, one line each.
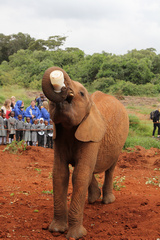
[71, 95]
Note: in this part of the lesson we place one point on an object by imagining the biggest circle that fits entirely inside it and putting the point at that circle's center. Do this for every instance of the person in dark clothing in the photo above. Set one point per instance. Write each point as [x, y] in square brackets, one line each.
[40, 100]
[40, 134]
[19, 128]
[50, 134]
[156, 123]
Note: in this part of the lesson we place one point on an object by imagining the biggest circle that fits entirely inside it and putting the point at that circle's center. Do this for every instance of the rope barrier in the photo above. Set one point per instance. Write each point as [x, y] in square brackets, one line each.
[32, 130]
[38, 130]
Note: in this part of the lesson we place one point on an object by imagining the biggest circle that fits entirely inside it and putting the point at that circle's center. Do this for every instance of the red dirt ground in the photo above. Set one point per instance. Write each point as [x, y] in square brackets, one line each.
[26, 208]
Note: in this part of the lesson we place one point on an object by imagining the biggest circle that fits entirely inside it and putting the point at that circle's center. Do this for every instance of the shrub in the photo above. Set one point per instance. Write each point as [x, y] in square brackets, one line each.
[16, 147]
[131, 89]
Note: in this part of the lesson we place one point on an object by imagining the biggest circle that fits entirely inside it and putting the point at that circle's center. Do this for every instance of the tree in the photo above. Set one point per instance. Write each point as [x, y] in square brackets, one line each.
[54, 42]
[37, 45]
[4, 46]
[12, 43]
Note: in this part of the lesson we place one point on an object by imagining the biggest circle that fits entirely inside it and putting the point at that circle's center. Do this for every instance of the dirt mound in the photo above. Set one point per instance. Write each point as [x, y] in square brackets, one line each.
[27, 207]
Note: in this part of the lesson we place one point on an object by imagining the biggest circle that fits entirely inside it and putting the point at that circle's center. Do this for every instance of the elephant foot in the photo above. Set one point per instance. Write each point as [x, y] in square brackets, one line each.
[92, 197]
[109, 198]
[76, 232]
[56, 226]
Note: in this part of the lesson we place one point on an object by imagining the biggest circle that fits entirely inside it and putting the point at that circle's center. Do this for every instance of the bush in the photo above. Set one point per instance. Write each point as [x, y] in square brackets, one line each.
[16, 147]
[131, 89]
[37, 85]
[103, 84]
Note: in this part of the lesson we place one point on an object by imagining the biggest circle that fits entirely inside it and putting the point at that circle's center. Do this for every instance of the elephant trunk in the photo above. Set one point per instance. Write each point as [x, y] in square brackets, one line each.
[56, 85]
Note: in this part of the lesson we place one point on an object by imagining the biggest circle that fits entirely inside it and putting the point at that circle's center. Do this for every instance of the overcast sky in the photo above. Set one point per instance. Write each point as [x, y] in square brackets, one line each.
[113, 26]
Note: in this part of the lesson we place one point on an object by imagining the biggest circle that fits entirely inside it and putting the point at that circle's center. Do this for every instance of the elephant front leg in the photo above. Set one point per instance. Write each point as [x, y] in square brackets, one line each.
[60, 187]
[81, 180]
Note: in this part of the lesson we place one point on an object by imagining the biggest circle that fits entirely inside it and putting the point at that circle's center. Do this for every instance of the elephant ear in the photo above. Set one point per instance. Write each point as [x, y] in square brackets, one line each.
[92, 128]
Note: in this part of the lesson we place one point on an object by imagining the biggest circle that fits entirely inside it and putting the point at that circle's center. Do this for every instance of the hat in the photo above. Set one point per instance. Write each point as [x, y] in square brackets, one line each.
[57, 80]
[41, 119]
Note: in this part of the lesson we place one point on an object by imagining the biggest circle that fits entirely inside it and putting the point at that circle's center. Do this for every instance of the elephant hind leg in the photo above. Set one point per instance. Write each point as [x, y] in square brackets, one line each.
[94, 192]
[108, 196]
[56, 226]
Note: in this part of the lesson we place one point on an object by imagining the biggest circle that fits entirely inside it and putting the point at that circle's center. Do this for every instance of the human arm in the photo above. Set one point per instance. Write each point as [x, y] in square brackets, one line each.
[28, 112]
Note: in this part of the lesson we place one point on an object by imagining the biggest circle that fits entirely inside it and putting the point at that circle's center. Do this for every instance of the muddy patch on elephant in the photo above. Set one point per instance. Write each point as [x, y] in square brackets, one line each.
[26, 197]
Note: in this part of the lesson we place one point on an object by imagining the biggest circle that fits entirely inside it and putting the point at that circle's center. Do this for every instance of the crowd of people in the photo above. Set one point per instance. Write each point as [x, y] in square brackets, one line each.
[33, 124]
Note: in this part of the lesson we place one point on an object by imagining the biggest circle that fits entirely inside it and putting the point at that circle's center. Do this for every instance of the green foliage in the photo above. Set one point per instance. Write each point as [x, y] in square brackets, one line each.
[16, 147]
[12, 43]
[131, 89]
[24, 60]
[103, 84]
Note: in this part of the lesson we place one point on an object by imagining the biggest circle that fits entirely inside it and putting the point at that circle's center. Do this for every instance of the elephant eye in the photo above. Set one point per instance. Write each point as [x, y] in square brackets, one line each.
[81, 93]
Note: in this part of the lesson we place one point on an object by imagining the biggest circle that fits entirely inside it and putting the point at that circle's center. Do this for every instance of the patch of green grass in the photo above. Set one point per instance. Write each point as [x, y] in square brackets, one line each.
[131, 107]
[38, 170]
[7, 92]
[146, 142]
[47, 192]
[141, 128]
[140, 109]
[117, 183]
[2, 99]
[36, 210]
[144, 110]
[140, 133]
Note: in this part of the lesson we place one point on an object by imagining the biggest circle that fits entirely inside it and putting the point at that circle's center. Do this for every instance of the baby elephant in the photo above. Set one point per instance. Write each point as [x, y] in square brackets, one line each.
[90, 131]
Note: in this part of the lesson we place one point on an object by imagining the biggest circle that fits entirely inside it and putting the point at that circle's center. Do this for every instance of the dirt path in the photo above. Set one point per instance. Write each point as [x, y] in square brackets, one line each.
[26, 205]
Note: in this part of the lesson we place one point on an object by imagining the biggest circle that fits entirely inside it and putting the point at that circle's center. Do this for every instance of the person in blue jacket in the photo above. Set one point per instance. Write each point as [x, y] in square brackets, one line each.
[19, 110]
[45, 112]
[33, 112]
